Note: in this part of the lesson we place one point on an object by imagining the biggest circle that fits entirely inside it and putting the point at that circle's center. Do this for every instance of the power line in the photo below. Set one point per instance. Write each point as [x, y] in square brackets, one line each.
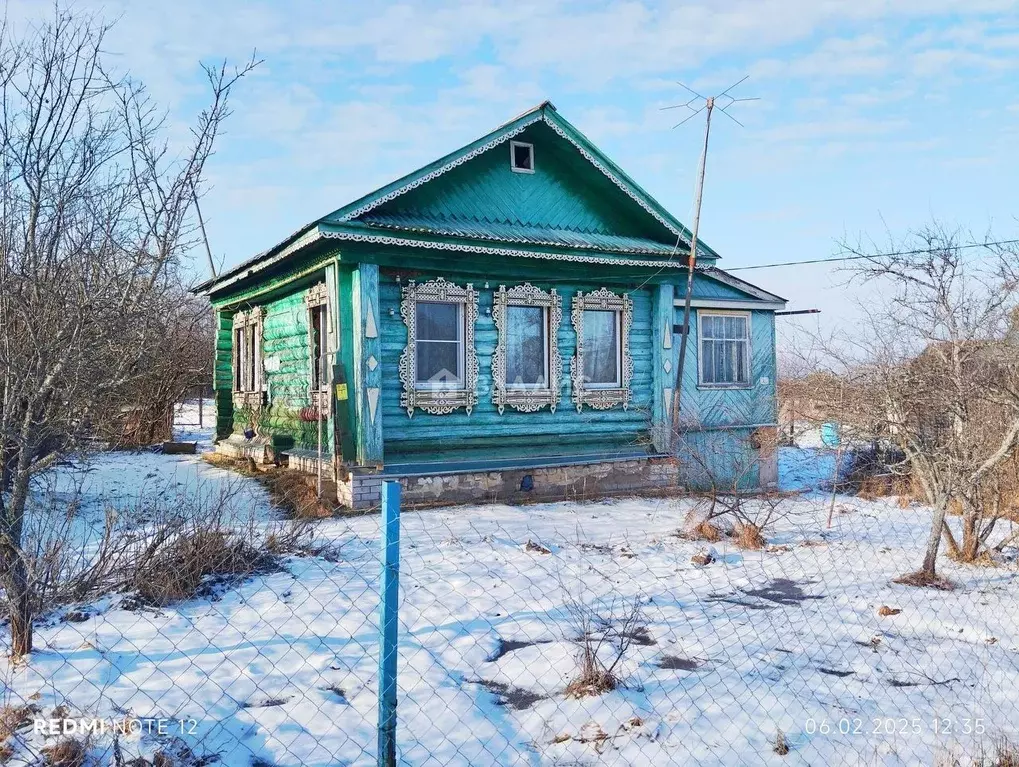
[890, 254]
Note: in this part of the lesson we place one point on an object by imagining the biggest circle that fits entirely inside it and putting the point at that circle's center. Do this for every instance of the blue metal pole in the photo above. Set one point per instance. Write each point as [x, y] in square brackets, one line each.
[388, 613]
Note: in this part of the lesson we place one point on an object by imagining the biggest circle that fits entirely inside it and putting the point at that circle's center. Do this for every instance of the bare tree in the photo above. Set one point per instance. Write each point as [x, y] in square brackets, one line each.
[933, 371]
[97, 217]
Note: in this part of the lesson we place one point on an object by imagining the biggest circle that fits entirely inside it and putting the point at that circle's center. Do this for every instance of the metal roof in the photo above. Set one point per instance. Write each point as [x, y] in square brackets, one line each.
[521, 234]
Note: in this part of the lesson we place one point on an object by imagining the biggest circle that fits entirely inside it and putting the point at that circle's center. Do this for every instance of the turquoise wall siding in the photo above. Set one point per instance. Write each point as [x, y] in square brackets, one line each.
[564, 193]
[719, 459]
[485, 433]
[707, 407]
[285, 339]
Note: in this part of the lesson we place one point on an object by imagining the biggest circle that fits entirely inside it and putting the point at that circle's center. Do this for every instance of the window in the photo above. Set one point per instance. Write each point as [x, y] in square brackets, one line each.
[439, 345]
[526, 347]
[439, 366]
[248, 371]
[602, 367]
[522, 157]
[725, 349]
[319, 375]
[526, 366]
[317, 302]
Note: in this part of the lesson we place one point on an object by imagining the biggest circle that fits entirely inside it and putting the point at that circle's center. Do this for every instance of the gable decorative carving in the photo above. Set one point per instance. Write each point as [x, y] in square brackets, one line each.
[624, 186]
[438, 400]
[600, 397]
[526, 399]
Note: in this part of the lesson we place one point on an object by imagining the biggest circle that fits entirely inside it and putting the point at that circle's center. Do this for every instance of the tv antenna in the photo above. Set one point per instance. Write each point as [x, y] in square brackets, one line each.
[698, 103]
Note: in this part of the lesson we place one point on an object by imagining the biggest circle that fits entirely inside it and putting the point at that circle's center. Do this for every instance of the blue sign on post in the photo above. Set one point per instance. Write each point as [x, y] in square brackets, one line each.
[388, 614]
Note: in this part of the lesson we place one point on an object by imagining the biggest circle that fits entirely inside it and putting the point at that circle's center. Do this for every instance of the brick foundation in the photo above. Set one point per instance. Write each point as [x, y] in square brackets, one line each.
[363, 491]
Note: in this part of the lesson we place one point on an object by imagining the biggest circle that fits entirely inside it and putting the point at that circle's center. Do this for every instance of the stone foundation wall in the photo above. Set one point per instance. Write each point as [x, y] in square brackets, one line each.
[362, 491]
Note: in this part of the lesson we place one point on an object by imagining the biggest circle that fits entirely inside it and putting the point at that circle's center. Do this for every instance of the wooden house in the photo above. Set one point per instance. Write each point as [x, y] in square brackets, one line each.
[502, 323]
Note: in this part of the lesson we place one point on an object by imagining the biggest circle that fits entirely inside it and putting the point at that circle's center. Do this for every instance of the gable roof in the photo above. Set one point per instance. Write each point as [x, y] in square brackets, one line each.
[372, 218]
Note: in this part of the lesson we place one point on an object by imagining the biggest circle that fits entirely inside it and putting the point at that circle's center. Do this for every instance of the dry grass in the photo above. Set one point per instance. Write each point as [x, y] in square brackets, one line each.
[178, 570]
[68, 752]
[748, 536]
[781, 744]
[706, 531]
[292, 491]
[12, 719]
[593, 679]
[1005, 754]
[924, 580]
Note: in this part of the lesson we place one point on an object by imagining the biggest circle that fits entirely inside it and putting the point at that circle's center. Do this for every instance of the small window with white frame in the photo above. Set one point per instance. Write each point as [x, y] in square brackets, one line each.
[724, 349]
[526, 365]
[439, 366]
[521, 157]
[248, 369]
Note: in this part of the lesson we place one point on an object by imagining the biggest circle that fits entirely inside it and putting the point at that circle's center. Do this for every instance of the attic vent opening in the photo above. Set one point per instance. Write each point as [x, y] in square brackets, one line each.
[522, 157]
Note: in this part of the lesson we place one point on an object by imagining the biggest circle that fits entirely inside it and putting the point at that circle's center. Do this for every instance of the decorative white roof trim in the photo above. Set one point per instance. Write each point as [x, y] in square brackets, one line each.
[440, 170]
[386, 240]
[305, 239]
[735, 282]
[539, 117]
[523, 241]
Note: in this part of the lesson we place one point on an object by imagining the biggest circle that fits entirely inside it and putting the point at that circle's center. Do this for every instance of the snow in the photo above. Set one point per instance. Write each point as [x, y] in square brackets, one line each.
[282, 669]
[121, 480]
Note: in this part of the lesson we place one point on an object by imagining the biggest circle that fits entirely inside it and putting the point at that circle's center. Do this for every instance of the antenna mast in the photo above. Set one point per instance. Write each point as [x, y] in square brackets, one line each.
[723, 101]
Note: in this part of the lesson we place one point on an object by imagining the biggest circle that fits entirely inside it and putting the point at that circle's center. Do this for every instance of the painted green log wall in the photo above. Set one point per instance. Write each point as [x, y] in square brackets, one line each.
[285, 338]
[222, 375]
[485, 433]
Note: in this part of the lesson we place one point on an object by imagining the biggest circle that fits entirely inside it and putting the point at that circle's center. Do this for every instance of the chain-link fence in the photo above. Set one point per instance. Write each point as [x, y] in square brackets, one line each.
[689, 630]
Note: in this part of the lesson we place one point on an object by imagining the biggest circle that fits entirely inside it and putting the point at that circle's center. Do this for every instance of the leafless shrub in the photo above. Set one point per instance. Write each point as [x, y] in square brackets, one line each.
[933, 374]
[167, 544]
[604, 635]
[98, 219]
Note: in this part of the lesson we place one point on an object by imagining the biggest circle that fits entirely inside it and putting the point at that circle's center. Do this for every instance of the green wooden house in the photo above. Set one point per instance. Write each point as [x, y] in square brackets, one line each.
[502, 323]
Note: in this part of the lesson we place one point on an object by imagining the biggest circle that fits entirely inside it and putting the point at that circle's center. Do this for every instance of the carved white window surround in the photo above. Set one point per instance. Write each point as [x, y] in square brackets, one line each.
[317, 302]
[527, 399]
[602, 397]
[439, 399]
[249, 380]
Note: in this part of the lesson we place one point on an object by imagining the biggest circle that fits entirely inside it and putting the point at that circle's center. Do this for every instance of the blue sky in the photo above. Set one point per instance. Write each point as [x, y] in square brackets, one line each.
[872, 114]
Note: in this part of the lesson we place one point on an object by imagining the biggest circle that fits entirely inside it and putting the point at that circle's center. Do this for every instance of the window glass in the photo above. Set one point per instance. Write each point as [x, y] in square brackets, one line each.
[724, 350]
[249, 358]
[601, 347]
[318, 337]
[438, 322]
[439, 343]
[526, 353]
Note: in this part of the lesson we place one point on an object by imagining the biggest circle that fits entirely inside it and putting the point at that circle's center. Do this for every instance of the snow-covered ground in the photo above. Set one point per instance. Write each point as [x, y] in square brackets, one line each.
[281, 670]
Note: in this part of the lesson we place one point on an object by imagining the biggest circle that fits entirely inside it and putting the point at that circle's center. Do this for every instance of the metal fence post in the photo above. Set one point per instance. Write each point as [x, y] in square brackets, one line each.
[388, 613]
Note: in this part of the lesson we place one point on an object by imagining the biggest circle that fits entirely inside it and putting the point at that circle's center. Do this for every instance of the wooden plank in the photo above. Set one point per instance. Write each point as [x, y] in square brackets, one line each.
[367, 363]
[663, 372]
